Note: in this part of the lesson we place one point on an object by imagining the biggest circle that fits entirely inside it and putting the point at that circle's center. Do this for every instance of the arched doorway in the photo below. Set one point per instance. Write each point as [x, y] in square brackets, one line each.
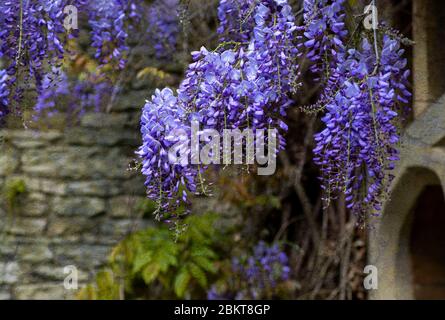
[427, 244]
[409, 240]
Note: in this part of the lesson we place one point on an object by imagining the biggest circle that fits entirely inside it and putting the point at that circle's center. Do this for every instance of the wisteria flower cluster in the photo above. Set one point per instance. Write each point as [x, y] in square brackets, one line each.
[73, 97]
[324, 38]
[33, 39]
[163, 27]
[109, 33]
[162, 126]
[112, 22]
[32, 36]
[235, 20]
[364, 92]
[238, 85]
[255, 276]
[245, 83]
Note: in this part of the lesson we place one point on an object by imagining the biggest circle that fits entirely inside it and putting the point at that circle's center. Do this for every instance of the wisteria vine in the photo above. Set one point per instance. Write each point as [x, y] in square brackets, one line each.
[71, 97]
[255, 276]
[240, 84]
[364, 91]
[248, 81]
[34, 41]
[31, 37]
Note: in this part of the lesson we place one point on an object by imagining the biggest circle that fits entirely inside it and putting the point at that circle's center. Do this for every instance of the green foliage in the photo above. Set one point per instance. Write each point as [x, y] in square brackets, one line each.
[105, 287]
[11, 192]
[146, 207]
[151, 263]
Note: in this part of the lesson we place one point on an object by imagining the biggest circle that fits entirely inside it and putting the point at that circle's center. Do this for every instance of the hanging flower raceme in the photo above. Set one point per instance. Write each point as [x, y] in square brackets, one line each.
[237, 86]
[247, 85]
[72, 97]
[361, 93]
[109, 33]
[357, 150]
[32, 35]
[113, 21]
[33, 40]
[325, 34]
[163, 27]
[236, 20]
[163, 125]
[273, 58]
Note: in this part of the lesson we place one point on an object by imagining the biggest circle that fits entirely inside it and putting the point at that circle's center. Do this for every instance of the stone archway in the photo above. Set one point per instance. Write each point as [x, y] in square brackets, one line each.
[427, 243]
[422, 166]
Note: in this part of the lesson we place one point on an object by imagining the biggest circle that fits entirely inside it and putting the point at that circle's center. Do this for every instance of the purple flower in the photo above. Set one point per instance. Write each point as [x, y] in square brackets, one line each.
[235, 20]
[74, 97]
[163, 27]
[109, 33]
[162, 126]
[257, 275]
[357, 151]
[32, 37]
[239, 85]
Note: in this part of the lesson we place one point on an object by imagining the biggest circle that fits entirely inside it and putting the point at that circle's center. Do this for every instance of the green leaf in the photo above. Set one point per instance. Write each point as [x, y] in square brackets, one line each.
[141, 260]
[165, 260]
[181, 282]
[202, 251]
[198, 274]
[107, 288]
[150, 272]
[205, 263]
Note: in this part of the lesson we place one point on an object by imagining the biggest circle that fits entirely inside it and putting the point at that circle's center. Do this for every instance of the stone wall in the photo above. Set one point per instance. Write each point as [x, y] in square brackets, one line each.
[66, 199]
[421, 168]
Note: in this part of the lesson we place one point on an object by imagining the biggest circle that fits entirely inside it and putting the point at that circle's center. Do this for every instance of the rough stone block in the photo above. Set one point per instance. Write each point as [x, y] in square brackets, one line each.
[84, 257]
[102, 137]
[43, 185]
[27, 227]
[126, 206]
[104, 120]
[42, 291]
[34, 253]
[9, 272]
[61, 227]
[26, 139]
[9, 161]
[5, 294]
[55, 273]
[35, 205]
[121, 228]
[133, 100]
[100, 188]
[83, 206]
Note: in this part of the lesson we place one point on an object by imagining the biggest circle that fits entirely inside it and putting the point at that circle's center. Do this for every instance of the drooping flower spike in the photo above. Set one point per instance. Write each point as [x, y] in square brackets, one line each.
[244, 83]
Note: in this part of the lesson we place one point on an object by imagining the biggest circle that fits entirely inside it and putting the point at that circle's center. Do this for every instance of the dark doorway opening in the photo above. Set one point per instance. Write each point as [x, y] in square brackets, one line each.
[427, 244]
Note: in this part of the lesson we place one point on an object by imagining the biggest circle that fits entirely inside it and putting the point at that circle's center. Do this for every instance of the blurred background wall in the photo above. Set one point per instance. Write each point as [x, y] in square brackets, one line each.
[68, 197]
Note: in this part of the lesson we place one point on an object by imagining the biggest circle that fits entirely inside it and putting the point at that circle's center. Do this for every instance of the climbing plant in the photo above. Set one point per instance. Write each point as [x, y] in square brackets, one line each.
[176, 268]
[249, 80]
